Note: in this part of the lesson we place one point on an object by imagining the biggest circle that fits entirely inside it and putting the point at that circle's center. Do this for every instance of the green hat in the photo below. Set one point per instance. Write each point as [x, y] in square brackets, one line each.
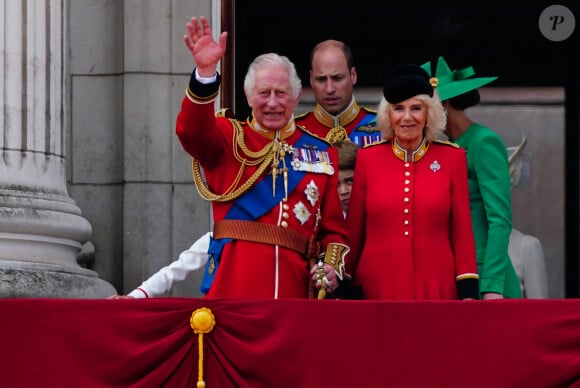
[454, 83]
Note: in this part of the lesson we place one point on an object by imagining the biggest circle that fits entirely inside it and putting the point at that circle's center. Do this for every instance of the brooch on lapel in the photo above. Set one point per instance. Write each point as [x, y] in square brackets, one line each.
[435, 166]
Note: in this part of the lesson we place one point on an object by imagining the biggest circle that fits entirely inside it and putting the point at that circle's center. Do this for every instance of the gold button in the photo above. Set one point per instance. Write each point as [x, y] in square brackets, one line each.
[406, 234]
[406, 189]
[285, 206]
[285, 215]
[406, 211]
[407, 173]
[406, 199]
[406, 222]
[407, 181]
[406, 164]
[284, 224]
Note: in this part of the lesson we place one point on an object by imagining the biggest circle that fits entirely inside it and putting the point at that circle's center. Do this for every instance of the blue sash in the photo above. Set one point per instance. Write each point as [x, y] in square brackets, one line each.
[256, 202]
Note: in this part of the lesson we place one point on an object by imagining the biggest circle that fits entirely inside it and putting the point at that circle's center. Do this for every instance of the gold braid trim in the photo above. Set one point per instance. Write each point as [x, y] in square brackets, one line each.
[335, 253]
[263, 158]
[336, 134]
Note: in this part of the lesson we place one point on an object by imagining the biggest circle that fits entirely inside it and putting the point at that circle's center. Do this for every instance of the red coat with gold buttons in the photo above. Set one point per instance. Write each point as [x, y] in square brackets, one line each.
[255, 270]
[409, 223]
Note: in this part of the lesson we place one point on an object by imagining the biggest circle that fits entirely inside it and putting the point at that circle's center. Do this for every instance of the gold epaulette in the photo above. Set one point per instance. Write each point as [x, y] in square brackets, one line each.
[303, 129]
[369, 110]
[375, 143]
[301, 115]
[225, 112]
[446, 142]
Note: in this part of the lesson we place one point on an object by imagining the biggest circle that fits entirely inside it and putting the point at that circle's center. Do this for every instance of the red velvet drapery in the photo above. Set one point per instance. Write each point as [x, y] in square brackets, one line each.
[290, 343]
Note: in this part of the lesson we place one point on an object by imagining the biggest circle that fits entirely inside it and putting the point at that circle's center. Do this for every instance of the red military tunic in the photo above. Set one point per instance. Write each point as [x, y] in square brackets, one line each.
[249, 269]
[356, 123]
[409, 223]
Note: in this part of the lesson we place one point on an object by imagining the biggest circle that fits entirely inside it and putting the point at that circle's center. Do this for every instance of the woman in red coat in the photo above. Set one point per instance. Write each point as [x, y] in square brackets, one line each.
[408, 218]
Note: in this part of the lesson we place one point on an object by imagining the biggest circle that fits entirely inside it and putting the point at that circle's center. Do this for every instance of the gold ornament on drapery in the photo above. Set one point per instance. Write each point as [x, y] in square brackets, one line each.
[202, 322]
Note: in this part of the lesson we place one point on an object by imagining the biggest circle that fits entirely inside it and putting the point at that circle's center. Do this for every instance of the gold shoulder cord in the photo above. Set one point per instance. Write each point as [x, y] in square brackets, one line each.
[336, 134]
[262, 157]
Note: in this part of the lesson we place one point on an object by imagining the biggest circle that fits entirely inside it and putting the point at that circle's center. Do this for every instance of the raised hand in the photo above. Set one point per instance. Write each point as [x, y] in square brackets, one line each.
[205, 50]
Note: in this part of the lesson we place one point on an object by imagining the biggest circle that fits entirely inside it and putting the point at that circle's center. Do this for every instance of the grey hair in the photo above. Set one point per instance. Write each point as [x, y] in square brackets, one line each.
[436, 118]
[272, 59]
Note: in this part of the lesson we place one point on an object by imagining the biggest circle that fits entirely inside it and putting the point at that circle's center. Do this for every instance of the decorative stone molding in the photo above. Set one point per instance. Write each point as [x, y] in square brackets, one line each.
[41, 228]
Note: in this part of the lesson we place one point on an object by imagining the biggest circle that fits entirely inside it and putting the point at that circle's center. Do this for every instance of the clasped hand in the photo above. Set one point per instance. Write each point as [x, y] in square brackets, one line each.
[330, 278]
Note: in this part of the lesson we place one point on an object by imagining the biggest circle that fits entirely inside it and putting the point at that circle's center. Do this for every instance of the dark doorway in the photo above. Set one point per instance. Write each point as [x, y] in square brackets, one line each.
[501, 37]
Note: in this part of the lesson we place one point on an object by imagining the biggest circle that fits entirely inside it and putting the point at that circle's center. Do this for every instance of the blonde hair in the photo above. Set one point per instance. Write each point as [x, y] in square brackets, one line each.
[436, 118]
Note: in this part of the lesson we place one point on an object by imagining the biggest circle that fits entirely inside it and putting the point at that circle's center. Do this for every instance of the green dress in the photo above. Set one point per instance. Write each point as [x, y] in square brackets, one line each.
[490, 200]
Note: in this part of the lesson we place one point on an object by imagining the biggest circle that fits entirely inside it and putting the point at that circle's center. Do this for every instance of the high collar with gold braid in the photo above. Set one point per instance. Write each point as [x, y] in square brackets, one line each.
[342, 119]
[415, 156]
[281, 134]
[337, 123]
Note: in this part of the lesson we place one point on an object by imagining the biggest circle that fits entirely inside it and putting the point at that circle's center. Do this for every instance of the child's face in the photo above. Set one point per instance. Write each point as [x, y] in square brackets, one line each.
[345, 180]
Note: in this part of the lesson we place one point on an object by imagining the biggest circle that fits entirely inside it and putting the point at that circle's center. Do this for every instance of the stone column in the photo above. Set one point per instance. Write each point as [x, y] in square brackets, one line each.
[41, 228]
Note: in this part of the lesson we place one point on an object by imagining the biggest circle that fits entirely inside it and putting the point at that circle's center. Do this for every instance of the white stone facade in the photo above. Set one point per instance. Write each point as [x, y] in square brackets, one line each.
[41, 228]
[125, 76]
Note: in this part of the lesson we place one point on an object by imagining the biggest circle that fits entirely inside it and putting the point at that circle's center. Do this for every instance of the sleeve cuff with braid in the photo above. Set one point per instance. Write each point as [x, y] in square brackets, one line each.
[202, 93]
[468, 286]
[334, 255]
